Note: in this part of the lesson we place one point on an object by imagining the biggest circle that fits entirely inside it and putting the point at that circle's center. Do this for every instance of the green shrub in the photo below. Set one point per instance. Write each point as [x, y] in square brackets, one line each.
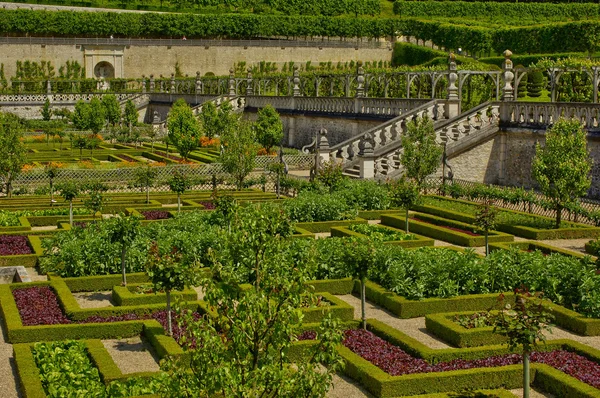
[535, 83]
[365, 195]
[314, 206]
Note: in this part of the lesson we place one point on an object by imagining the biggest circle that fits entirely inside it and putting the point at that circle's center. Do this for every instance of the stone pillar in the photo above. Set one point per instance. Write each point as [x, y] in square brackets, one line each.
[360, 80]
[231, 83]
[172, 88]
[366, 156]
[452, 100]
[249, 88]
[508, 92]
[152, 83]
[143, 83]
[296, 81]
[323, 146]
[198, 83]
[48, 87]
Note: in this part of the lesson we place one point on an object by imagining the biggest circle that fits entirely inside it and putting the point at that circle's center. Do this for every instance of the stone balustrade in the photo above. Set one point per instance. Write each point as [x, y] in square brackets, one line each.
[534, 114]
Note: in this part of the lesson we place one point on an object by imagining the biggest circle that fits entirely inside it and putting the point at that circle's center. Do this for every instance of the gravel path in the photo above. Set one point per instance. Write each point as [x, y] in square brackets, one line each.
[34, 275]
[94, 299]
[532, 393]
[46, 227]
[345, 387]
[8, 383]
[14, 6]
[414, 327]
[132, 355]
[576, 245]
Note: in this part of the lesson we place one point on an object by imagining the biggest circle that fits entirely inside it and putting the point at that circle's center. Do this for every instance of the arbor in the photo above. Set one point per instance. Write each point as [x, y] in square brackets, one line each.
[179, 183]
[239, 152]
[250, 330]
[96, 115]
[144, 177]
[123, 230]
[421, 154]
[46, 111]
[130, 116]
[69, 191]
[183, 128]
[404, 194]
[268, 127]
[562, 166]
[112, 109]
[12, 150]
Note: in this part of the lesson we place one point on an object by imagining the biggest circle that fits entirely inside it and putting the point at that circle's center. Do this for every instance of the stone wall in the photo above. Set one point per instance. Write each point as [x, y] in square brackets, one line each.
[138, 60]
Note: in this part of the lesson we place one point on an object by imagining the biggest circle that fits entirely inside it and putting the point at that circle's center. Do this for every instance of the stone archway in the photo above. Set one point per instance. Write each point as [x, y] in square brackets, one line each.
[104, 70]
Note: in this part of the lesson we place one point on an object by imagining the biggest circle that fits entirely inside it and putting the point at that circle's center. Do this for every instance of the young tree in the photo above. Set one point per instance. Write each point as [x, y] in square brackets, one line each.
[404, 194]
[485, 219]
[239, 152]
[124, 230]
[359, 255]
[112, 109]
[69, 191]
[51, 170]
[250, 331]
[144, 177]
[562, 167]
[92, 142]
[524, 326]
[183, 128]
[268, 127]
[179, 183]
[81, 116]
[97, 116]
[130, 116]
[421, 154]
[95, 201]
[167, 273]
[46, 111]
[211, 122]
[80, 142]
[12, 150]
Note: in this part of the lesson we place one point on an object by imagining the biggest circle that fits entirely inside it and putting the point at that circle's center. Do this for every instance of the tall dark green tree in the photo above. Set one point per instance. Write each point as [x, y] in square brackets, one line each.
[183, 128]
[12, 150]
[112, 109]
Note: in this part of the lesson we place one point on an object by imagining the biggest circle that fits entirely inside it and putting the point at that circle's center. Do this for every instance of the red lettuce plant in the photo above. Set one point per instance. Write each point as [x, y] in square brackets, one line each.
[156, 214]
[38, 305]
[14, 244]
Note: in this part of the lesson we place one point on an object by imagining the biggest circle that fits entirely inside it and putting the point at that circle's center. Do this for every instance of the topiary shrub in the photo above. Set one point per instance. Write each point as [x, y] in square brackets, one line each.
[535, 83]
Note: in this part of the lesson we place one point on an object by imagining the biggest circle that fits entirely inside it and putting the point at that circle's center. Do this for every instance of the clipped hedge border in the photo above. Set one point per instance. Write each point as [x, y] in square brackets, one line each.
[338, 309]
[579, 231]
[438, 232]
[325, 226]
[98, 282]
[444, 327]
[421, 241]
[23, 226]
[123, 296]
[533, 245]
[333, 286]
[302, 233]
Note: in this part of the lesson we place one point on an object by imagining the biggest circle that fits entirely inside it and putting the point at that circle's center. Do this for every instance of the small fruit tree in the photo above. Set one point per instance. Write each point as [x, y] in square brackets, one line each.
[95, 201]
[360, 256]
[269, 128]
[123, 230]
[404, 194]
[239, 152]
[179, 183]
[421, 154]
[485, 219]
[69, 191]
[524, 325]
[144, 177]
[167, 273]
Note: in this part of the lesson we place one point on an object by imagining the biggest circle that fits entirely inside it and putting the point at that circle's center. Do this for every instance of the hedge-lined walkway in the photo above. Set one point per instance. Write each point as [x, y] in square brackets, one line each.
[8, 381]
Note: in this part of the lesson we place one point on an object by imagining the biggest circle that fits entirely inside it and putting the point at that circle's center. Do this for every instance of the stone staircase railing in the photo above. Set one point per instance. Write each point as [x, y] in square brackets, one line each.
[385, 135]
[543, 114]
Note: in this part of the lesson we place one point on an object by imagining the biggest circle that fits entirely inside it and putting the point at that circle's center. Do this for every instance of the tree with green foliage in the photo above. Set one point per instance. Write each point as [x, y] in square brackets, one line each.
[421, 155]
[239, 152]
[95, 200]
[46, 111]
[166, 272]
[179, 183]
[80, 142]
[250, 331]
[112, 109]
[92, 142]
[211, 121]
[123, 231]
[144, 177]
[97, 116]
[359, 255]
[404, 194]
[485, 219]
[51, 172]
[562, 166]
[523, 325]
[69, 191]
[268, 127]
[331, 175]
[535, 83]
[12, 150]
[130, 116]
[183, 128]
[81, 116]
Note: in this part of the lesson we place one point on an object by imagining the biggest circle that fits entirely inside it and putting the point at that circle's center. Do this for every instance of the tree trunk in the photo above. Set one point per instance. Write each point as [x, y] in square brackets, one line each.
[178, 203]
[487, 246]
[169, 325]
[123, 252]
[71, 213]
[147, 194]
[407, 220]
[363, 282]
[525, 375]
[51, 193]
[558, 216]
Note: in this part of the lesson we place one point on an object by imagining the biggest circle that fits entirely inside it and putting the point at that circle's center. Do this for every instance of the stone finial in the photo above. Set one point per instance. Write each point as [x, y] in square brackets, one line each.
[323, 141]
[198, 83]
[507, 53]
[451, 57]
[508, 92]
[360, 80]
[366, 145]
[249, 87]
[197, 74]
[296, 81]
[452, 77]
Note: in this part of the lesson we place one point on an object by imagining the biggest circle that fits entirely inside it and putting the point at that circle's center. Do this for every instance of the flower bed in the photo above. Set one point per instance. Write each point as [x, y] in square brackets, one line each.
[396, 362]
[14, 245]
[168, 156]
[128, 159]
[155, 214]
[38, 305]
[208, 205]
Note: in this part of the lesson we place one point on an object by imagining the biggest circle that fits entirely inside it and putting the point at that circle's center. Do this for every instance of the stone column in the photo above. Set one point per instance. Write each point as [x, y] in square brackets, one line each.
[198, 83]
[360, 80]
[366, 157]
[296, 81]
[508, 92]
[231, 83]
[48, 87]
[452, 100]
[152, 84]
[143, 83]
[249, 88]
[172, 88]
